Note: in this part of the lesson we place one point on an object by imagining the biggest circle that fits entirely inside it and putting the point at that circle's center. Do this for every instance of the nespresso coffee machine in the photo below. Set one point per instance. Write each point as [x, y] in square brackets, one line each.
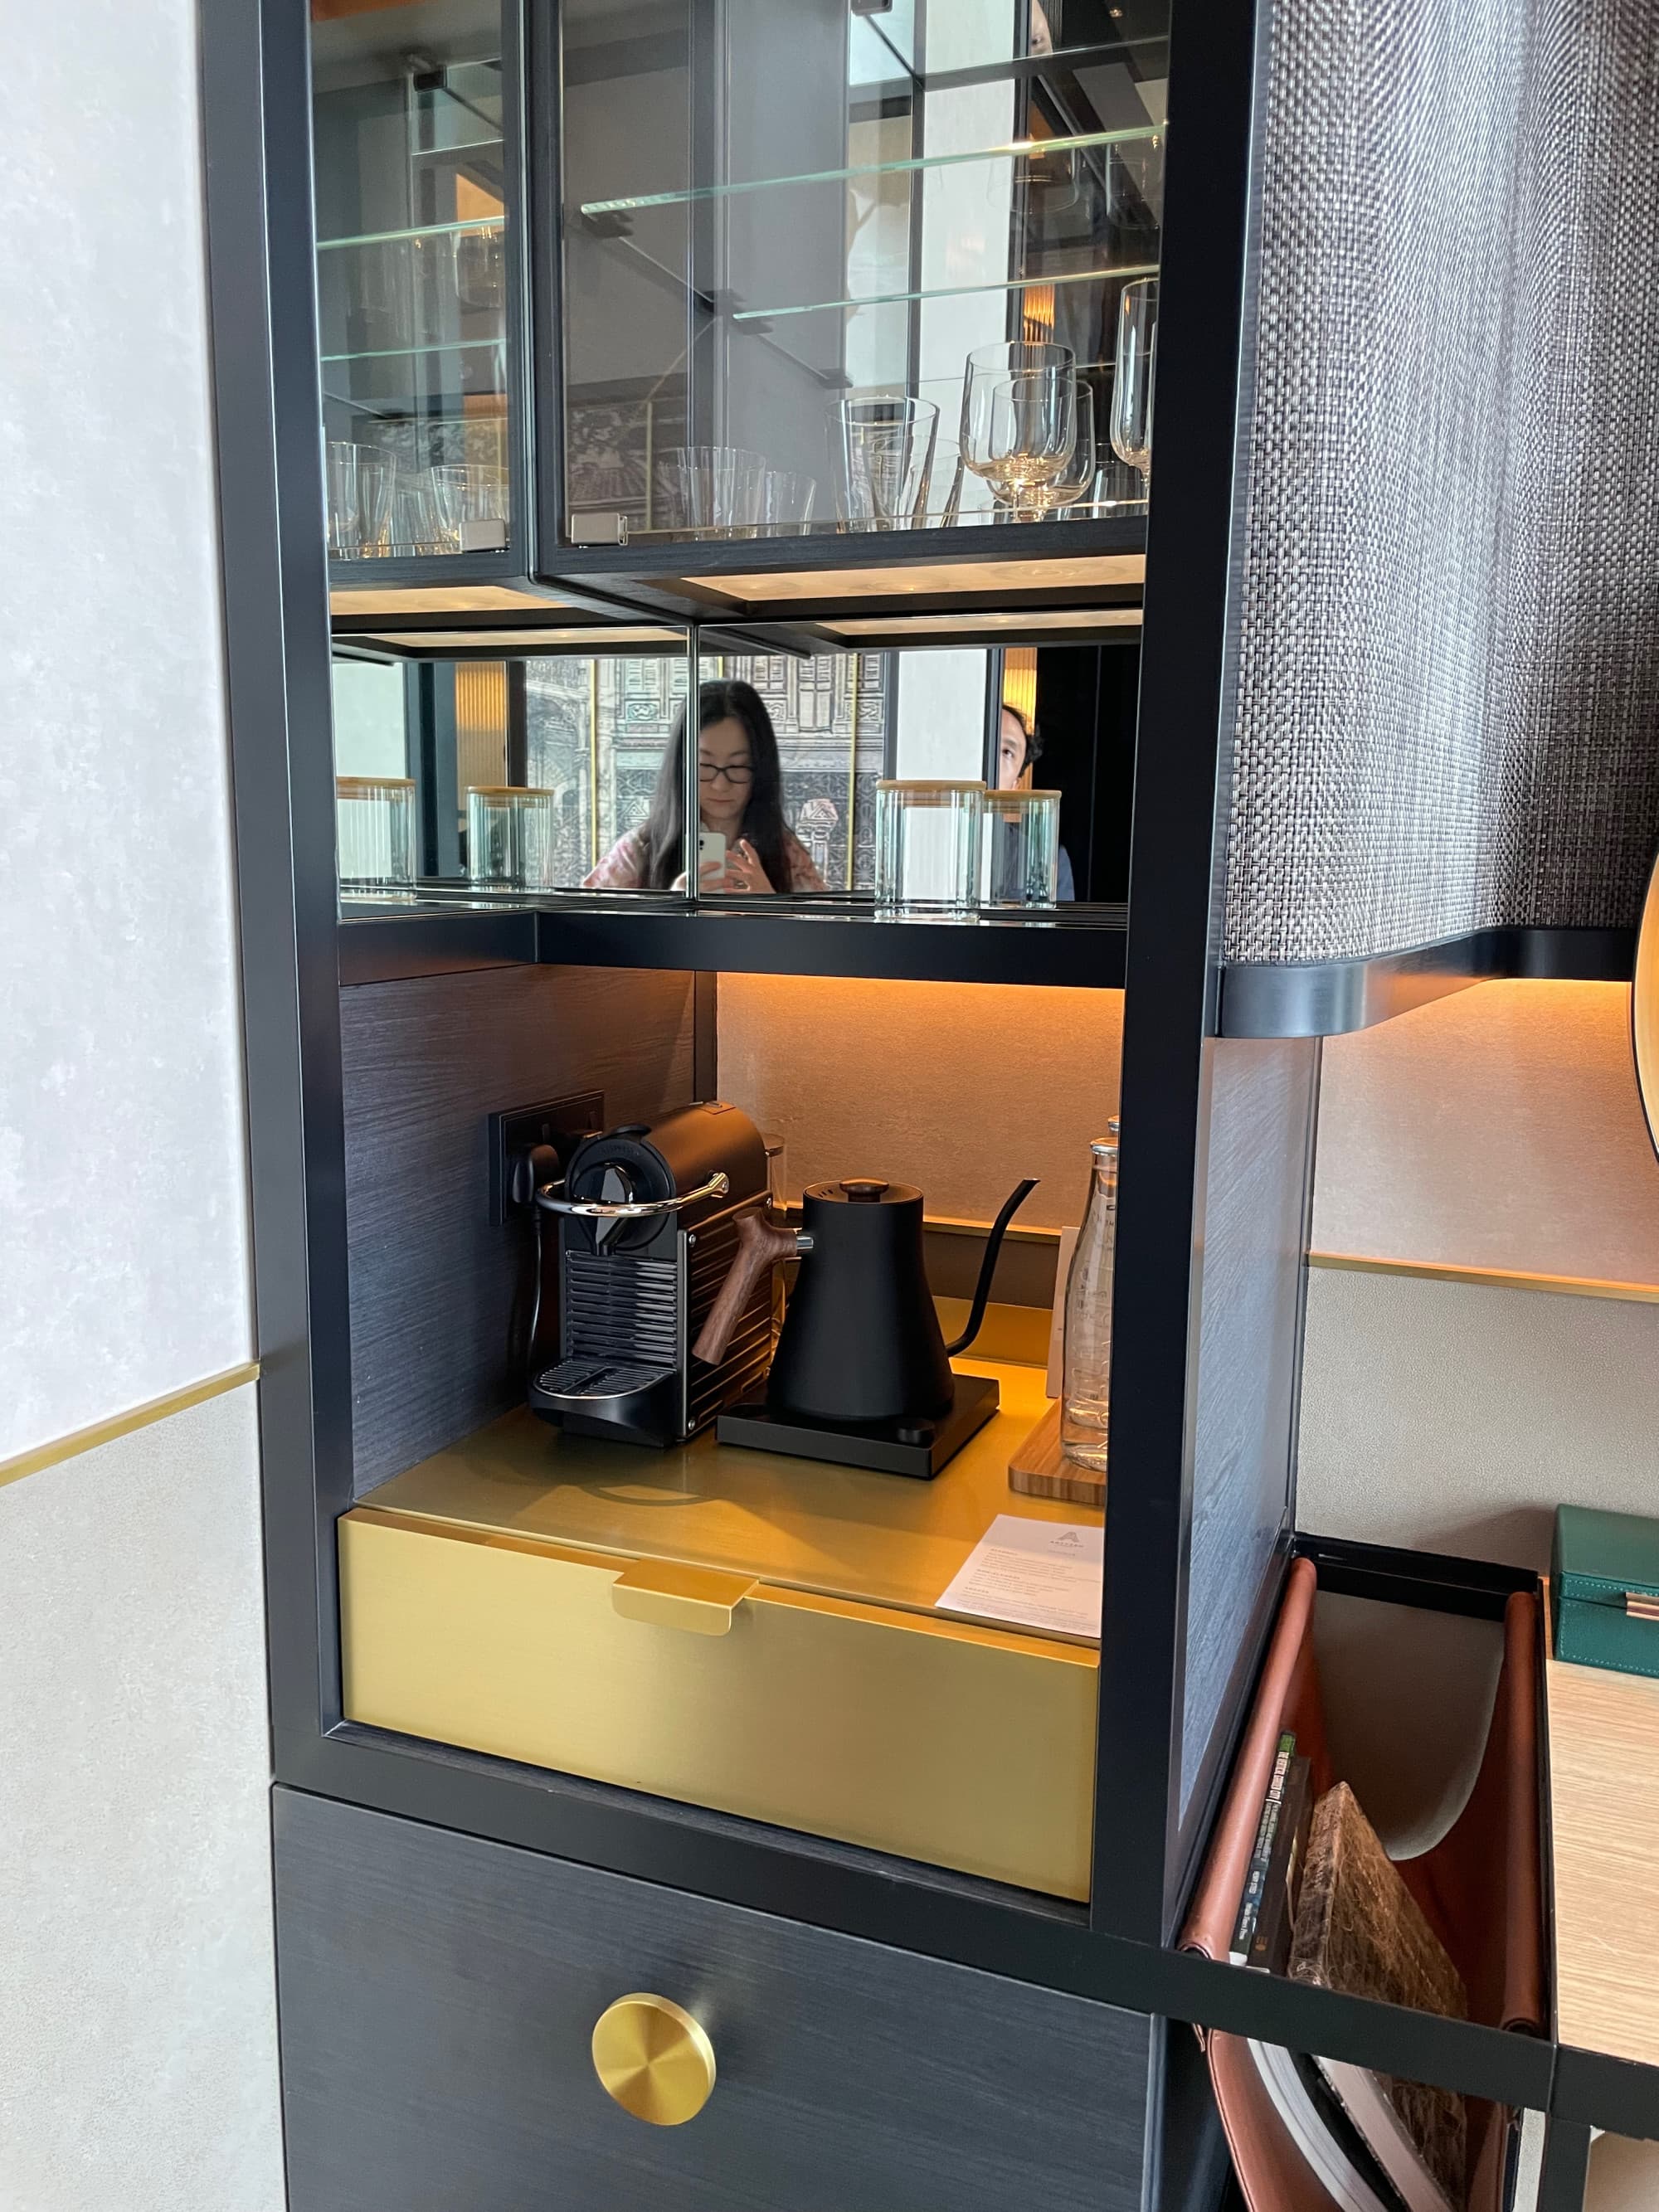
[647, 1233]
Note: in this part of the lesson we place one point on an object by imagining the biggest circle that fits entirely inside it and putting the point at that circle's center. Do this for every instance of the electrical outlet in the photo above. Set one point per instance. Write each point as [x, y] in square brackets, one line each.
[558, 1122]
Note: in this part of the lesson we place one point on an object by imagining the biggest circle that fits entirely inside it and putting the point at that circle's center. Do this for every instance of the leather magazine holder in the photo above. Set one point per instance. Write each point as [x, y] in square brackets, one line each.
[1480, 1888]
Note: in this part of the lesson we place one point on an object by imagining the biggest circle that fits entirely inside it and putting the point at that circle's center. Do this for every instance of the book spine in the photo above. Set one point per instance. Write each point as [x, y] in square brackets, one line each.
[1255, 1879]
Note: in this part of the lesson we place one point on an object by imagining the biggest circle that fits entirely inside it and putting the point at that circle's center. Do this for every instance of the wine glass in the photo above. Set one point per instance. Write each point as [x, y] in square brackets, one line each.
[1022, 436]
[1135, 378]
[1042, 404]
[1078, 482]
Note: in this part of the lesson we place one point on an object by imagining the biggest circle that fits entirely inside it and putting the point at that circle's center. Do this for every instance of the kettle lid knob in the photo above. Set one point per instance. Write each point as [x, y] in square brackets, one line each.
[864, 1190]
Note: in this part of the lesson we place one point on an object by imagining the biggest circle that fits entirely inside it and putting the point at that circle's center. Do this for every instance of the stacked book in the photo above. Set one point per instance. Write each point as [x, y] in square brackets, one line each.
[1323, 1903]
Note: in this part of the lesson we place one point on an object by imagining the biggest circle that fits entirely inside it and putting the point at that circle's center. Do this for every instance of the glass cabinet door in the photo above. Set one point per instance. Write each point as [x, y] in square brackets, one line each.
[415, 230]
[834, 265]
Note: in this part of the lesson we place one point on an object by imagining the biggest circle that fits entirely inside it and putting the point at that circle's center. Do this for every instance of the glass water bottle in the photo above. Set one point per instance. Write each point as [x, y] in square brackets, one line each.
[1088, 1353]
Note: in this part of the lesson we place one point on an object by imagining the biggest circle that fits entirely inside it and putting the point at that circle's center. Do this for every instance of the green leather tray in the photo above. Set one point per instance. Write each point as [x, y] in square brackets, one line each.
[1604, 1589]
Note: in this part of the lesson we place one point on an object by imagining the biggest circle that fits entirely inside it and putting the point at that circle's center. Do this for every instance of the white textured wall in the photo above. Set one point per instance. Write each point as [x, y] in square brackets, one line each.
[123, 1236]
[138, 2025]
[138, 2059]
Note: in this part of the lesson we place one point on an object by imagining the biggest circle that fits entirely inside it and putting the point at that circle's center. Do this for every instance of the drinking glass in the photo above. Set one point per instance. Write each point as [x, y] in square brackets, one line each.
[712, 490]
[375, 821]
[377, 488]
[1021, 848]
[927, 842]
[1023, 435]
[1078, 482]
[1135, 377]
[415, 516]
[786, 496]
[471, 507]
[510, 836]
[989, 366]
[885, 461]
[343, 525]
[479, 270]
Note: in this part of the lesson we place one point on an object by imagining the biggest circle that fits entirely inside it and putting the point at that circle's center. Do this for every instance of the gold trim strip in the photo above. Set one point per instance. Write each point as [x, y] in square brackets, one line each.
[1642, 1605]
[125, 1425]
[1497, 1279]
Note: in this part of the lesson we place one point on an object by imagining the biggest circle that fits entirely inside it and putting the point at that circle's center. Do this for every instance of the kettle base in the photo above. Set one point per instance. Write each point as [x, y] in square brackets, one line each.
[918, 1449]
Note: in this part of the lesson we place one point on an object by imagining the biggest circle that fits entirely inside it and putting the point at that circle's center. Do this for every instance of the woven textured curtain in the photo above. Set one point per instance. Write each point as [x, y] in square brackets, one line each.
[1447, 658]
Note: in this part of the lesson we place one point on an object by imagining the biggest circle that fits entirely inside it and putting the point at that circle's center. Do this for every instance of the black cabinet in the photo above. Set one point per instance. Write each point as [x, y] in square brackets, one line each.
[438, 1994]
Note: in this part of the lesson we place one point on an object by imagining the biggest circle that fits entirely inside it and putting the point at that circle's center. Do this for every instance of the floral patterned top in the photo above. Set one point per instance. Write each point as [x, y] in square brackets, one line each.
[623, 868]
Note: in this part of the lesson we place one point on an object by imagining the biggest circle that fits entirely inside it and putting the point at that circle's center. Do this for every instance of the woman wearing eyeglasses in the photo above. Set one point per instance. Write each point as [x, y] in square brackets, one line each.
[739, 799]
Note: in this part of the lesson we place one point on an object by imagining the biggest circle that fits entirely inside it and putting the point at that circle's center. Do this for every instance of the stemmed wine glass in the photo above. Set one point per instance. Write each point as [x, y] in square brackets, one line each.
[1136, 379]
[1078, 482]
[1044, 372]
[1022, 434]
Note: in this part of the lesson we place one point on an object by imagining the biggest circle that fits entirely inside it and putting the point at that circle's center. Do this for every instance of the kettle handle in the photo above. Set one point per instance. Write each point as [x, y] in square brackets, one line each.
[1011, 1205]
[759, 1247]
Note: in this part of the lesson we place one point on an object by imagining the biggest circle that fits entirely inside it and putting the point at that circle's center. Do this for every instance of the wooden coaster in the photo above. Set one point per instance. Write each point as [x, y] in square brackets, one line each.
[1037, 1469]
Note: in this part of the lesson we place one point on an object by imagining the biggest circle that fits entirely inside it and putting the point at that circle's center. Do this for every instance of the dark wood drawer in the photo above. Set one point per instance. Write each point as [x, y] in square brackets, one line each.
[438, 1994]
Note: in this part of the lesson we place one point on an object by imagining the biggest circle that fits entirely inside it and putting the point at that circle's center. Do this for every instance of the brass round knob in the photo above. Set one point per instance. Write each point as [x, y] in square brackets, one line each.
[655, 2059]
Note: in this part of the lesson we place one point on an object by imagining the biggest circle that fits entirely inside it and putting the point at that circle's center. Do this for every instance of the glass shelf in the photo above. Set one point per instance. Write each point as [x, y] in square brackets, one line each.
[1027, 148]
[1123, 275]
[480, 223]
[493, 344]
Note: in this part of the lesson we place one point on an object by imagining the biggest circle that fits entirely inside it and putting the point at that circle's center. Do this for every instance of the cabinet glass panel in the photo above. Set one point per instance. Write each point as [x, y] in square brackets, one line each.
[830, 268]
[414, 219]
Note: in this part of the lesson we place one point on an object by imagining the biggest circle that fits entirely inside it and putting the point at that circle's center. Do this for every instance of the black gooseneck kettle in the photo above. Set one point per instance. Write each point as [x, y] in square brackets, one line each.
[860, 1341]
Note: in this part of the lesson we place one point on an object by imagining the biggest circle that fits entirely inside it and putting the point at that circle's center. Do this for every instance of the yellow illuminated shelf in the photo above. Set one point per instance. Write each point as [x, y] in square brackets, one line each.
[794, 1524]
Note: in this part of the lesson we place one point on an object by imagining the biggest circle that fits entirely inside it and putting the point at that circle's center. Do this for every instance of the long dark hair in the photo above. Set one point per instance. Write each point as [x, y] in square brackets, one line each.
[763, 820]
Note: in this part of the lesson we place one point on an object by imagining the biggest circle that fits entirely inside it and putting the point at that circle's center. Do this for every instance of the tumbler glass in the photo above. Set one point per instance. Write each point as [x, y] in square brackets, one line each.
[344, 526]
[711, 490]
[1135, 377]
[377, 488]
[375, 824]
[885, 461]
[510, 836]
[1021, 848]
[927, 843]
[786, 496]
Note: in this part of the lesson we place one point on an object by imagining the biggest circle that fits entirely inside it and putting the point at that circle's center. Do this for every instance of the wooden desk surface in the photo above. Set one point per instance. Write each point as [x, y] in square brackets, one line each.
[1604, 1794]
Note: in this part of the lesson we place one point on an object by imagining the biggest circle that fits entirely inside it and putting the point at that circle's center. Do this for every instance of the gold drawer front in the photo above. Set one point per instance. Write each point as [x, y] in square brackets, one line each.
[965, 1747]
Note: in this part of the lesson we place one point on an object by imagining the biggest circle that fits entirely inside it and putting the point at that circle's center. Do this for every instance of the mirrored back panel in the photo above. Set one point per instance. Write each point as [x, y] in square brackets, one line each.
[827, 775]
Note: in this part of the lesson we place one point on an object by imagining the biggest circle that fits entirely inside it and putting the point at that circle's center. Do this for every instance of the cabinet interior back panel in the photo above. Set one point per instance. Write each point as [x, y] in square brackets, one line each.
[425, 1061]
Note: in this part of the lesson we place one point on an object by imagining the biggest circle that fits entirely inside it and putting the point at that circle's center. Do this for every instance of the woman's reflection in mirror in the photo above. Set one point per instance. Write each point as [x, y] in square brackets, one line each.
[744, 844]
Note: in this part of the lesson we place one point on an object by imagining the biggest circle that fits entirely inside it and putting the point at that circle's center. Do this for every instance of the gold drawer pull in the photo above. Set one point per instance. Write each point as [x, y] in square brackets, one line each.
[701, 1599]
[1642, 1605]
[655, 2059]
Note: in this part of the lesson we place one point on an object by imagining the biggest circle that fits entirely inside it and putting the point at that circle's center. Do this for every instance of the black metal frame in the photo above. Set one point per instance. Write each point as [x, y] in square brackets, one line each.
[262, 308]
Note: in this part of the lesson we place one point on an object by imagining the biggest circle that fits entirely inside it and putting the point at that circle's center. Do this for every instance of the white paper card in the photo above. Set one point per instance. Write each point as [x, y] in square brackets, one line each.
[1042, 1574]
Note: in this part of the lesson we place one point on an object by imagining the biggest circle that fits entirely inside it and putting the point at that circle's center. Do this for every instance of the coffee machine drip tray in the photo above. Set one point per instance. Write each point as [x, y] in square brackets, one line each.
[919, 1447]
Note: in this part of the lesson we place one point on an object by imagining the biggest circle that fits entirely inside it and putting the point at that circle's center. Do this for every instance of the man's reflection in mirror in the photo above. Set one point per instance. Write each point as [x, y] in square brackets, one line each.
[1019, 748]
[744, 843]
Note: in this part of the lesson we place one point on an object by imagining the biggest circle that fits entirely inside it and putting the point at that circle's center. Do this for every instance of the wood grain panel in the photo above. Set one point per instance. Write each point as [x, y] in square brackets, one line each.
[438, 1994]
[960, 1088]
[1604, 1813]
[1261, 1106]
[425, 1060]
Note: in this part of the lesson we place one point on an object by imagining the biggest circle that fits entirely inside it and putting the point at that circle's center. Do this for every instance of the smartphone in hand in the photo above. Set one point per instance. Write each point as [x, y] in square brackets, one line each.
[711, 850]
